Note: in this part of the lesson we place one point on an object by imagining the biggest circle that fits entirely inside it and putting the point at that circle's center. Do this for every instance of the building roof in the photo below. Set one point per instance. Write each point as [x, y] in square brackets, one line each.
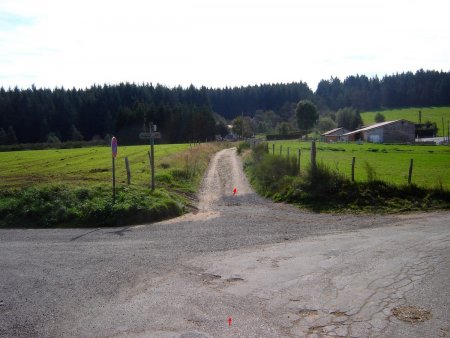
[374, 126]
[331, 132]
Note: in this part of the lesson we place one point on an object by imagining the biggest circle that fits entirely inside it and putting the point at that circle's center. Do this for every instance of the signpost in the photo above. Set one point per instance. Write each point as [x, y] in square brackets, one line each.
[114, 154]
[151, 135]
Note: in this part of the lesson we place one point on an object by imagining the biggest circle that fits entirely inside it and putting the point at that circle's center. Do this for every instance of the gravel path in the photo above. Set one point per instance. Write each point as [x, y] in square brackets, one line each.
[276, 270]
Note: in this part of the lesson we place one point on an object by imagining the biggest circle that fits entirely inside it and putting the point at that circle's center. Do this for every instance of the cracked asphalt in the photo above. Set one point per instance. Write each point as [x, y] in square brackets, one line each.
[277, 271]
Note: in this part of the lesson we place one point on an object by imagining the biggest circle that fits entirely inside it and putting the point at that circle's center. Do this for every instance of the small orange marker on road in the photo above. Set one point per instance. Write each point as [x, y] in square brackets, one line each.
[229, 318]
[234, 191]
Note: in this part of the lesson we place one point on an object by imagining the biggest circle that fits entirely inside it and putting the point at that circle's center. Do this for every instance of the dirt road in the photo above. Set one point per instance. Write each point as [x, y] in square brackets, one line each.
[274, 270]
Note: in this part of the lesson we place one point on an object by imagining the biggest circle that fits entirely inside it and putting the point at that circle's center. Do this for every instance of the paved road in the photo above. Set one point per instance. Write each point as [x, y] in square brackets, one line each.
[275, 270]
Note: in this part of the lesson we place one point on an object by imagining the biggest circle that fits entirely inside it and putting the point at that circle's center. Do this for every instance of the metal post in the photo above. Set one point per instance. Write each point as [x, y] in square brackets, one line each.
[114, 178]
[273, 148]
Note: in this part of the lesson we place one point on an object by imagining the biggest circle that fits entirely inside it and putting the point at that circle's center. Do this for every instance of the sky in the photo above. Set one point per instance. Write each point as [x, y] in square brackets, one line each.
[217, 43]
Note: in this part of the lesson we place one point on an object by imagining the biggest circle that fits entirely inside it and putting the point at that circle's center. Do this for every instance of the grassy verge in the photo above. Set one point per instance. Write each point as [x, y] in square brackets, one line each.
[326, 189]
[40, 190]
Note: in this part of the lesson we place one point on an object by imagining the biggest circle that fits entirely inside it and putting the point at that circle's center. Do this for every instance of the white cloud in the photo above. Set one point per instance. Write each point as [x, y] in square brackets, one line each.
[218, 42]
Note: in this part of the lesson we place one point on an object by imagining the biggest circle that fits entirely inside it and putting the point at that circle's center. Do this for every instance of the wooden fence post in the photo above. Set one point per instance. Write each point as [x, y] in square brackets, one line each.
[127, 166]
[150, 160]
[410, 171]
[353, 169]
[273, 148]
[313, 156]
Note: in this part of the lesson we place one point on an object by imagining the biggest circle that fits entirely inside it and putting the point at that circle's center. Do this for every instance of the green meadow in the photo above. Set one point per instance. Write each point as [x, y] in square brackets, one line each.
[73, 187]
[389, 163]
[432, 114]
[84, 166]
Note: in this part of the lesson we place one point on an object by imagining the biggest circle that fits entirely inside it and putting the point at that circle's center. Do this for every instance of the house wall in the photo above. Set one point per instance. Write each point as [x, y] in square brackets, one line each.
[331, 138]
[374, 135]
[336, 136]
[401, 131]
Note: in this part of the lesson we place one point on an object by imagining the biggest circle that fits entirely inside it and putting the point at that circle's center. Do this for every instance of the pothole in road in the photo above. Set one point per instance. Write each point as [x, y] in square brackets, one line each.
[411, 314]
[307, 312]
[210, 276]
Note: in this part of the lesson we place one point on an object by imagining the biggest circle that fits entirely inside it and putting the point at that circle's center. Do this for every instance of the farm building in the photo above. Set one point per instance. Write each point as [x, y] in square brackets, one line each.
[389, 131]
[334, 134]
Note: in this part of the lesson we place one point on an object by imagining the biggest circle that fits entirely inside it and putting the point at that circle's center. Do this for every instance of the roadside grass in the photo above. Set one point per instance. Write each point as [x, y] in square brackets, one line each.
[432, 114]
[390, 163]
[72, 187]
[327, 189]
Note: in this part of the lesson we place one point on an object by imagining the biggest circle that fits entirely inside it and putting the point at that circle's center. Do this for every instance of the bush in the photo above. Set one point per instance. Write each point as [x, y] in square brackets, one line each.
[242, 146]
[58, 205]
[379, 117]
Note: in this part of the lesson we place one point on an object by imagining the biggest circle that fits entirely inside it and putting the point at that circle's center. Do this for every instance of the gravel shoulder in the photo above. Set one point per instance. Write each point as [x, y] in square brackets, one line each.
[276, 270]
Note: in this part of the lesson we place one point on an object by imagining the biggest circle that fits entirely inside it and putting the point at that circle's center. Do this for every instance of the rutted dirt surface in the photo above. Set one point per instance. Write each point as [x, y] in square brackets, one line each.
[276, 270]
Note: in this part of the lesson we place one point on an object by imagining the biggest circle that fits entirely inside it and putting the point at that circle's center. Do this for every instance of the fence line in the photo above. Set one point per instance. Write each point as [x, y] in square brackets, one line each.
[313, 160]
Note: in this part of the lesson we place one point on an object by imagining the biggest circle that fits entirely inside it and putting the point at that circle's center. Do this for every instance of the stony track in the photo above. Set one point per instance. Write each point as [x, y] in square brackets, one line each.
[277, 271]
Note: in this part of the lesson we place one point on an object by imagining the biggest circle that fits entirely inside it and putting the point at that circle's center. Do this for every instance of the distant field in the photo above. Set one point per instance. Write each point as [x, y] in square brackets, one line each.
[390, 162]
[83, 166]
[432, 114]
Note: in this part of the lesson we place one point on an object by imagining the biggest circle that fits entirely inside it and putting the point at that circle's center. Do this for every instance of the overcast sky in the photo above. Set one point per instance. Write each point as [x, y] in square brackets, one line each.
[217, 43]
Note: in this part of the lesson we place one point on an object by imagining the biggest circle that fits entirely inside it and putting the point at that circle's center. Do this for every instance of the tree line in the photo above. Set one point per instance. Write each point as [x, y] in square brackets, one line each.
[188, 114]
[420, 89]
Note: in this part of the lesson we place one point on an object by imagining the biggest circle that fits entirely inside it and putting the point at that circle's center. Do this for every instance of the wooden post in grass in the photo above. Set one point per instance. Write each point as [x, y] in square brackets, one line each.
[299, 153]
[127, 166]
[443, 127]
[410, 171]
[151, 169]
[313, 156]
[152, 163]
[114, 154]
[273, 148]
[353, 169]
[151, 135]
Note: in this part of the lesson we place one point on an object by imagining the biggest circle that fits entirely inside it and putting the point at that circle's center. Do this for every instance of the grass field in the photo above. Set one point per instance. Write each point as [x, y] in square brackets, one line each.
[389, 162]
[73, 187]
[85, 166]
[432, 114]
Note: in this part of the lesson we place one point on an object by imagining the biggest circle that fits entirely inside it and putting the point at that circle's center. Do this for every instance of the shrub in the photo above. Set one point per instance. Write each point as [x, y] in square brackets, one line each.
[58, 205]
[242, 146]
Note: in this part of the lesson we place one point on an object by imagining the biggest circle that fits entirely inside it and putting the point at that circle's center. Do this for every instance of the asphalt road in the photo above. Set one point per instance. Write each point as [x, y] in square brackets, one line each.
[276, 271]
